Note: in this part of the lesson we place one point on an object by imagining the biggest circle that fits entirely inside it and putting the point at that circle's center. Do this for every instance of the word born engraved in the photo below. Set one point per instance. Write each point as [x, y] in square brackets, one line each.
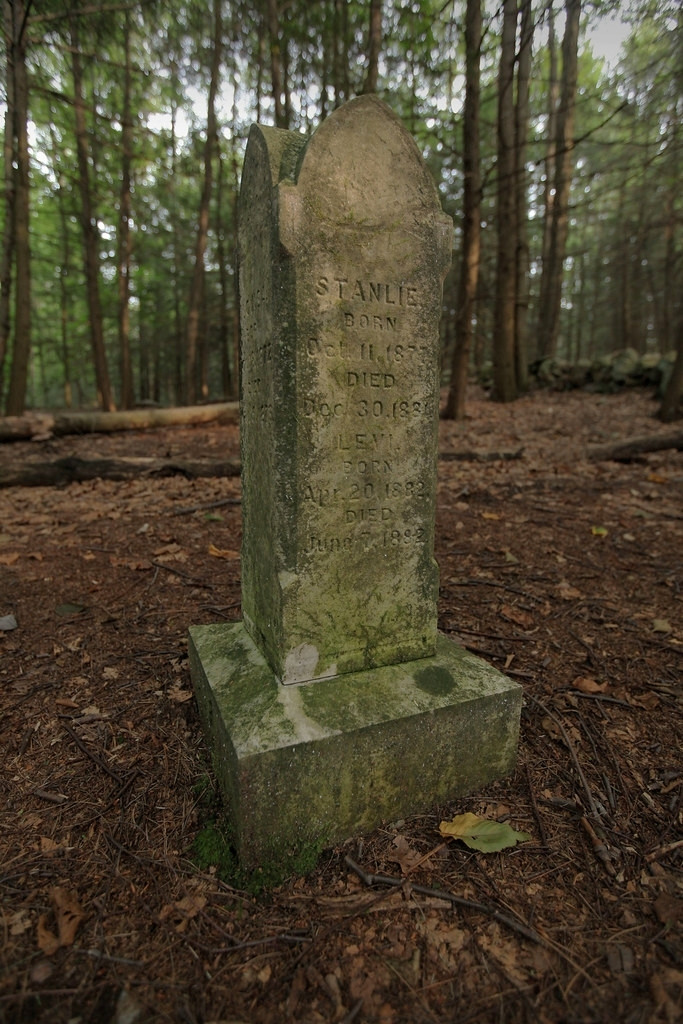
[371, 323]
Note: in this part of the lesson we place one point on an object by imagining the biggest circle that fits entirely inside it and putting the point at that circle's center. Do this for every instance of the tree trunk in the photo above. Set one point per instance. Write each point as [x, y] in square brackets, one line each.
[89, 227]
[374, 46]
[549, 176]
[553, 270]
[504, 376]
[223, 328]
[178, 360]
[671, 401]
[197, 287]
[338, 62]
[471, 221]
[21, 348]
[8, 173]
[276, 72]
[522, 198]
[124, 240]
[65, 264]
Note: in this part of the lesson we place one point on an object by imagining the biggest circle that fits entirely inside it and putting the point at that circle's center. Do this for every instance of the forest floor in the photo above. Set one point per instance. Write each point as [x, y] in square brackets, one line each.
[564, 572]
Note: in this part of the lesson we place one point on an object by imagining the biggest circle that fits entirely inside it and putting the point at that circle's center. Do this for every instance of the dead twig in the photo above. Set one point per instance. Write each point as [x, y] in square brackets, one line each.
[449, 897]
[572, 753]
[183, 575]
[53, 798]
[205, 506]
[536, 813]
[601, 849]
[662, 851]
[95, 758]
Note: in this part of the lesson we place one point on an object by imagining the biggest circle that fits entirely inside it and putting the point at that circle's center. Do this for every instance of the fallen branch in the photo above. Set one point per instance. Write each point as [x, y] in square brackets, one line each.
[505, 455]
[628, 451]
[74, 470]
[449, 897]
[40, 426]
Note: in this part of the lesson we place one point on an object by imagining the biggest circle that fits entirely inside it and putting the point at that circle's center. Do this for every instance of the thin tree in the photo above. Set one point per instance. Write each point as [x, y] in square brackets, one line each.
[9, 150]
[673, 393]
[197, 286]
[277, 63]
[374, 46]
[19, 208]
[552, 274]
[504, 375]
[124, 235]
[522, 198]
[88, 224]
[471, 217]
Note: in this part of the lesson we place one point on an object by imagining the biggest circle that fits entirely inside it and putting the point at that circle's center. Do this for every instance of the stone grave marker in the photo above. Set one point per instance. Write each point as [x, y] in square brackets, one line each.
[335, 704]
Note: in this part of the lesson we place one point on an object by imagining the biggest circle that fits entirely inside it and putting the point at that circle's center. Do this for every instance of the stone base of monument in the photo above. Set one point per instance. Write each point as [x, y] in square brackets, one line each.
[314, 764]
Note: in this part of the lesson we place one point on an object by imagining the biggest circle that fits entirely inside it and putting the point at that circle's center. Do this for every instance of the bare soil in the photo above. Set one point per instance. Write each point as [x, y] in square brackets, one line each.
[564, 572]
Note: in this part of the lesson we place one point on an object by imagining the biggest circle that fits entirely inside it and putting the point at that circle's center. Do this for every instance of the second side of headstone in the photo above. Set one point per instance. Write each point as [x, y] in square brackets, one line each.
[344, 249]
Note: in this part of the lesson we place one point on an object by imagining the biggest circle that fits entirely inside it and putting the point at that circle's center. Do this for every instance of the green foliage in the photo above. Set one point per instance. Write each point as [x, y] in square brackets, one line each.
[213, 847]
[623, 273]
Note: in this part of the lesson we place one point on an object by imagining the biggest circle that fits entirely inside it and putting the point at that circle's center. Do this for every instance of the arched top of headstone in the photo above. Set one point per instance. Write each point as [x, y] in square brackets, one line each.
[363, 164]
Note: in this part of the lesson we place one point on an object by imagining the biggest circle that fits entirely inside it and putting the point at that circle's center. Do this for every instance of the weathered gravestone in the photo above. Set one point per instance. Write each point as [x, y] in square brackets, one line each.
[335, 704]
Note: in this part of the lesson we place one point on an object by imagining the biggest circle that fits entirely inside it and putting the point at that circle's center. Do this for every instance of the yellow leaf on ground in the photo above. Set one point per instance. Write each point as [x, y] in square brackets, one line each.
[223, 553]
[586, 685]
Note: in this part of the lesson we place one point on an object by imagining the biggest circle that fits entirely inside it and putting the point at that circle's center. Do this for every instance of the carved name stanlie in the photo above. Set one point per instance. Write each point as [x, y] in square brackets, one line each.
[367, 291]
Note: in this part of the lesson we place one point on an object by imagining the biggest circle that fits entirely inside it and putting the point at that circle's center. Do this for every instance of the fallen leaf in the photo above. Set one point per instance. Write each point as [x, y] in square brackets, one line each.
[661, 626]
[179, 695]
[223, 553]
[518, 616]
[567, 592]
[69, 608]
[482, 834]
[599, 531]
[47, 941]
[69, 914]
[128, 1010]
[186, 908]
[404, 855]
[668, 909]
[586, 685]
[48, 846]
[41, 971]
[18, 923]
[490, 515]
[9, 558]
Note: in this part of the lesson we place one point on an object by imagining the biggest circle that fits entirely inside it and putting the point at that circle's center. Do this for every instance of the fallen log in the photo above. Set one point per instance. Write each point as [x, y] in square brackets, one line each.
[629, 451]
[41, 426]
[73, 470]
[466, 455]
